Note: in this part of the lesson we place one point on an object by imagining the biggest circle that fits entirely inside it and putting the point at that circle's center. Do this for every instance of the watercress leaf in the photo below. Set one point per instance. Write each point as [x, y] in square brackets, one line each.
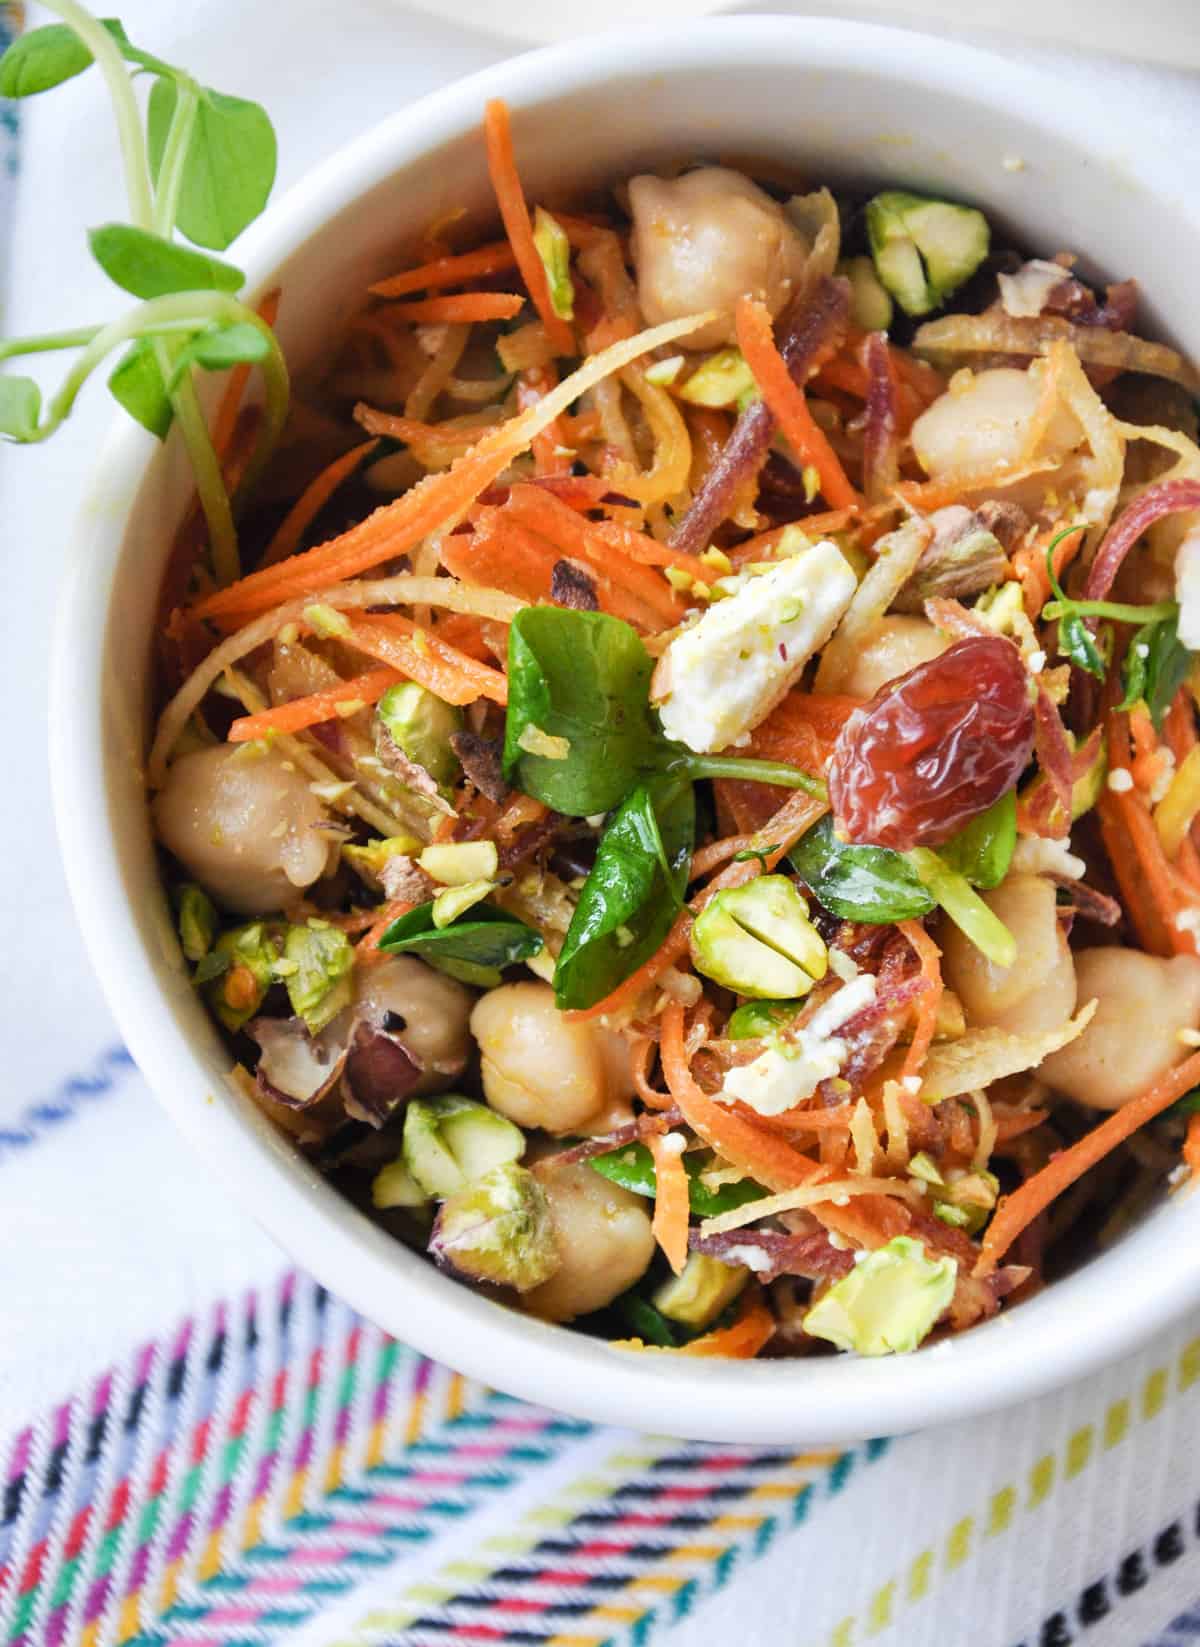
[20, 406]
[1135, 671]
[858, 883]
[633, 1168]
[630, 898]
[137, 383]
[229, 168]
[149, 266]
[1076, 642]
[219, 347]
[473, 949]
[584, 677]
[983, 850]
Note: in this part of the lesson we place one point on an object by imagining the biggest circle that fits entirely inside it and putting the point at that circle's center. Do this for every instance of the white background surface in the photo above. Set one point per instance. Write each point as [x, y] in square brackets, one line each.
[110, 1231]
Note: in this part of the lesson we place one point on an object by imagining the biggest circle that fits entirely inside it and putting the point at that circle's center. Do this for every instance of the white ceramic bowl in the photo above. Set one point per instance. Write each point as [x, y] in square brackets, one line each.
[841, 100]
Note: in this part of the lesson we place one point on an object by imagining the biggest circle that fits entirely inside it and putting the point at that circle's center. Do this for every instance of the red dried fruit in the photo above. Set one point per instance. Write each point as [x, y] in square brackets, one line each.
[934, 748]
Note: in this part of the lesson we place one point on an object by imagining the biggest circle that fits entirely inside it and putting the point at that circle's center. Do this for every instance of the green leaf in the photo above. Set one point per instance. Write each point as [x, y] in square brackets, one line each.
[469, 949]
[47, 57]
[647, 1323]
[585, 677]
[149, 266]
[20, 407]
[983, 850]
[1156, 666]
[219, 347]
[859, 883]
[633, 1168]
[631, 896]
[229, 168]
[137, 383]
[1076, 642]
[1189, 1104]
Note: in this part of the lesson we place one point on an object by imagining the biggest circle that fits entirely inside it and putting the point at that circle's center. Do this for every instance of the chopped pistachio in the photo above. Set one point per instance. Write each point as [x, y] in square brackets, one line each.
[498, 1229]
[197, 922]
[395, 1186]
[458, 862]
[870, 305]
[698, 1295]
[662, 372]
[534, 741]
[554, 249]
[755, 1019]
[421, 726]
[368, 860]
[456, 900]
[321, 984]
[720, 380]
[758, 940]
[450, 1141]
[888, 1303]
[250, 953]
[326, 620]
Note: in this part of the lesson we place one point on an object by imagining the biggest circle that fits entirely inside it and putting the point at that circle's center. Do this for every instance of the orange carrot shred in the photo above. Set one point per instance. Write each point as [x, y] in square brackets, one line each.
[928, 1002]
[423, 657]
[311, 501]
[1017, 1211]
[449, 271]
[786, 401]
[300, 713]
[459, 308]
[672, 1208]
[743, 1338]
[367, 948]
[502, 169]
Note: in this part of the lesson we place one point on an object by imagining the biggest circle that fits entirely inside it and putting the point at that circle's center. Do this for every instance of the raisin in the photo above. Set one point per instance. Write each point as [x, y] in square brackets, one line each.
[934, 747]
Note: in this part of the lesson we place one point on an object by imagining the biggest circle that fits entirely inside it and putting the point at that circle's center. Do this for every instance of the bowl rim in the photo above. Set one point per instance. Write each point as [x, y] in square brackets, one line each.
[1017, 1356]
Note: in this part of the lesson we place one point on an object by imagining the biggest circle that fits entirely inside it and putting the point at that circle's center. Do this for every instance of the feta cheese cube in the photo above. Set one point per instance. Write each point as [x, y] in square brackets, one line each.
[719, 678]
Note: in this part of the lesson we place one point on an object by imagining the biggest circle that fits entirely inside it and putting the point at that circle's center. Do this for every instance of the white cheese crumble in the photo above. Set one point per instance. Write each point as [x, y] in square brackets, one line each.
[1120, 780]
[1035, 855]
[842, 966]
[1187, 589]
[750, 1258]
[720, 677]
[1188, 920]
[788, 1073]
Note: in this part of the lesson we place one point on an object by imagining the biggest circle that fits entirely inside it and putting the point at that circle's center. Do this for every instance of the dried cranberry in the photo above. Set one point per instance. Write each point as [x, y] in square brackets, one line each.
[934, 748]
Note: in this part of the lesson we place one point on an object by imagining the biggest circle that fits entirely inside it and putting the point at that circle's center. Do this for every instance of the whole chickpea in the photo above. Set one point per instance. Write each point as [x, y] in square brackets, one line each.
[539, 1068]
[604, 1238]
[981, 424]
[1143, 1003]
[896, 645]
[1038, 991]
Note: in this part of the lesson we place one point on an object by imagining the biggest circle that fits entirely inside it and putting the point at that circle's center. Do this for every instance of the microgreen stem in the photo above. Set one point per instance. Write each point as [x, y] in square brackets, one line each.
[1116, 611]
[120, 89]
[206, 466]
[749, 771]
[44, 342]
[174, 157]
[953, 893]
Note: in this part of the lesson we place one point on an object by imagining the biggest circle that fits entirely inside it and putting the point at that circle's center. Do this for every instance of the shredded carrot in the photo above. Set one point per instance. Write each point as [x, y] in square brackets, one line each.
[672, 1208]
[743, 1338]
[367, 948]
[520, 811]
[311, 501]
[419, 654]
[460, 308]
[1152, 891]
[449, 271]
[716, 853]
[786, 401]
[502, 169]
[928, 1001]
[500, 554]
[412, 432]
[465, 632]
[762, 546]
[1017, 1211]
[550, 515]
[1029, 563]
[432, 503]
[300, 713]
[803, 728]
[1191, 1145]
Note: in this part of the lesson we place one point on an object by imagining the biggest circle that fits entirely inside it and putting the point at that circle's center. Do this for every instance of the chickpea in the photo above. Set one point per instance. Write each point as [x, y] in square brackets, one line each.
[540, 1069]
[435, 1011]
[246, 825]
[603, 1235]
[980, 424]
[1143, 1003]
[1038, 991]
[703, 240]
[896, 645]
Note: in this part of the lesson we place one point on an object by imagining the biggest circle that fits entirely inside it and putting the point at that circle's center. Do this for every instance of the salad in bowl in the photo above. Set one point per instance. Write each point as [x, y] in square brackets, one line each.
[680, 800]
